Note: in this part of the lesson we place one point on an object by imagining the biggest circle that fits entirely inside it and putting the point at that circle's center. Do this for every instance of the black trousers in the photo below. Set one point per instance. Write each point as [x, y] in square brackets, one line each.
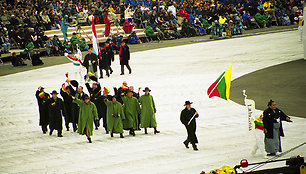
[128, 67]
[191, 134]
[101, 72]
[44, 128]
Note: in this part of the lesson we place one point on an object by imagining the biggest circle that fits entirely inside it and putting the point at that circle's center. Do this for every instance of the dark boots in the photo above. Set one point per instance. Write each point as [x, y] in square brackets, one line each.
[132, 132]
[195, 147]
[186, 144]
[156, 131]
[121, 135]
[89, 139]
[146, 131]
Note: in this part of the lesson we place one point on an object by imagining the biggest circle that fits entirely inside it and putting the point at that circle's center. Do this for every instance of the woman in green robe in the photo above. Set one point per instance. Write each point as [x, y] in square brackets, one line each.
[87, 114]
[114, 116]
[148, 110]
[131, 110]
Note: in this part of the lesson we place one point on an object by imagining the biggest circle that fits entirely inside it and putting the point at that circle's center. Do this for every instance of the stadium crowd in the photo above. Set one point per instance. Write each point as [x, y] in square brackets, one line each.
[23, 22]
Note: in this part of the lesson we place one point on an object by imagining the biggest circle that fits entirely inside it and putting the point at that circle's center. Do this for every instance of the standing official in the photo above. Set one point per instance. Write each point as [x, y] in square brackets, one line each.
[42, 97]
[273, 129]
[188, 118]
[124, 55]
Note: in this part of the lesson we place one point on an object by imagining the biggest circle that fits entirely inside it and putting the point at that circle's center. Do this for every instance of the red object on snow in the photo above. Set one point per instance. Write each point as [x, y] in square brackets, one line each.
[244, 163]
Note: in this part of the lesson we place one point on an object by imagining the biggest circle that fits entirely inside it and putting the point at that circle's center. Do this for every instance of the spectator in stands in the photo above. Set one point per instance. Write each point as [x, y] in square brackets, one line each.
[222, 20]
[49, 47]
[268, 6]
[150, 33]
[133, 39]
[36, 61]
[74, 40]
[57, 45]
[128, 26]
[4, 42]
[199, 26]
[46, 20]
[17, 60]
[261, 19]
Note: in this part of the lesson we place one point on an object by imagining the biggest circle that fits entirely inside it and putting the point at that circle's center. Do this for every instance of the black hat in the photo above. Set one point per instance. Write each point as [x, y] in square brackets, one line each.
[74, 83]
[54, 92]
[55, 35]
[86, 97]
[146, 89]
[187, 103]
[42, 87]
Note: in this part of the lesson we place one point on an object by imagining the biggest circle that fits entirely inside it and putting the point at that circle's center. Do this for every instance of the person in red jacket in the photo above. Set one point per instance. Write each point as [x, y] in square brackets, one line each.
[183, 13]
[128, 26]
[107, 22]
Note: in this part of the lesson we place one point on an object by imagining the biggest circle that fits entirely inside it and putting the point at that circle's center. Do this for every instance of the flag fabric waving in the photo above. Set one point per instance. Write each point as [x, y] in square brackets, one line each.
[221, 87]
[94, 38]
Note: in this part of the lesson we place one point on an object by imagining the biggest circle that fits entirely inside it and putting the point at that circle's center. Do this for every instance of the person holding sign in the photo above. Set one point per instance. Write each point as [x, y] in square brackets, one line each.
[188, 116]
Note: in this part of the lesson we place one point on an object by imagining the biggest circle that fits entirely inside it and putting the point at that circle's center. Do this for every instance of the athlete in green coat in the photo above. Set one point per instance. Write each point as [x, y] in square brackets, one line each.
[148, 110]
[131, 111]
[88, 113]
[114, 115]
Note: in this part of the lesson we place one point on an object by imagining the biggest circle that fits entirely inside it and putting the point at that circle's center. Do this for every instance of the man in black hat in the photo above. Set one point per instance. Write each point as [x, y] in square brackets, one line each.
[42, 97]
[56, 111]
[188, 116]
[95, 93]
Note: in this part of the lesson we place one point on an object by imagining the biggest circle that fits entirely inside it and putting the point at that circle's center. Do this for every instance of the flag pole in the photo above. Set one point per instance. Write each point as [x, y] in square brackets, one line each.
[219, 80]
[192, 118]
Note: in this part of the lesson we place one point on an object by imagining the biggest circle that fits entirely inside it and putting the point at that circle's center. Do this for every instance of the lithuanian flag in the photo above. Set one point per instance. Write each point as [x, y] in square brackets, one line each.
[41, 95]
[90, 74]
[106, 91]
[258, 124]
[221, 87]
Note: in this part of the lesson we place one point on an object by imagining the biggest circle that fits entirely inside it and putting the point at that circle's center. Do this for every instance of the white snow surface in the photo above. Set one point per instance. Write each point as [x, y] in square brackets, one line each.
[174, 74]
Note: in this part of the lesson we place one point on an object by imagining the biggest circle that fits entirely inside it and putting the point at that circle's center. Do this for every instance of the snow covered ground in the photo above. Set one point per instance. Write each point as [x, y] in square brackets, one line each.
[174, 74]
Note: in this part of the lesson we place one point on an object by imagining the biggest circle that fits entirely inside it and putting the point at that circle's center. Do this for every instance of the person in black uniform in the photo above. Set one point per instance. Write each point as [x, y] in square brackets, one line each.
[273, 129]
[42, 97]
[56, 111]
[124, 55]
[188, 118]
[95, 93]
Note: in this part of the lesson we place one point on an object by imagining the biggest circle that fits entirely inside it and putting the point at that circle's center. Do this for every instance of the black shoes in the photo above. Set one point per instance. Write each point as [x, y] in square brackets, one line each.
[186, 144]
[112, 135]
[121, 135]
[50, 132]
[271, 154]
[60, 135]
[122, 74]
[195, 148]
[156, 131]
[146, 132]
[89, 140]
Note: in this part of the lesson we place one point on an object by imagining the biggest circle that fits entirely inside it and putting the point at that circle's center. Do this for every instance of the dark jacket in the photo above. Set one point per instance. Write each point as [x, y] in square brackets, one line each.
[186, 115]
[124, 55]
[270, 117]
[56, 111]
[91, 57]
[68, 106]
[43, 108]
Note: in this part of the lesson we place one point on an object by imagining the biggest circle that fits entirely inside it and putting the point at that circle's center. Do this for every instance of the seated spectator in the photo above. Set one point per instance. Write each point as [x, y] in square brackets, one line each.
[74, 40]
[246, 19]
[183, 13]
[222, 20]
[187, 29]
[36, 61]
[4, 42]
[197, 24]
[17, 60]
[261, 19]
[133, 39]
[128, 26]
[83, 45]
[46, 20]
[49, 47]
[57, 45]
[57, 22]
[268, 6]
[150, 33]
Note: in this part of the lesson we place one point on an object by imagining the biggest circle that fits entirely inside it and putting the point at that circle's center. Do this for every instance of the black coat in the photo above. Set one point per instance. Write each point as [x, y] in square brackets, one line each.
[270, 117]
[110, 55]
[75, 107]
[103, 60]
[103, 107]
[68, 106]
[43, 108]
[124, 55]
[94, 94]
[91, 57]
[185, 117]
[56, 111]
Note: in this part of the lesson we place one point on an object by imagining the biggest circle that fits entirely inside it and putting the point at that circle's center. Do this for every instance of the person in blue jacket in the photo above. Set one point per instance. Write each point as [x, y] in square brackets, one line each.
[133, 39]
[64, 26]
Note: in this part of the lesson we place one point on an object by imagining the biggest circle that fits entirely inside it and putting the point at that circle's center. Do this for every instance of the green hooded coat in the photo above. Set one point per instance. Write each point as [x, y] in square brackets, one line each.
[147, 118]
[149, 31]
[131, 110]
[88, 113]
[114, 124]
